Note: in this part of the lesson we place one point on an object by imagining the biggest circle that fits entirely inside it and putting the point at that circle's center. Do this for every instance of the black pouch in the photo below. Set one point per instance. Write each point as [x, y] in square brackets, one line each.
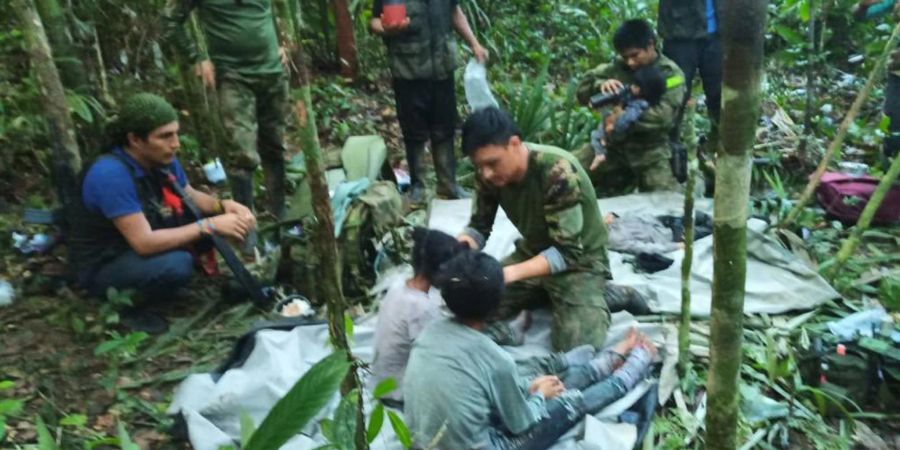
[678, 160]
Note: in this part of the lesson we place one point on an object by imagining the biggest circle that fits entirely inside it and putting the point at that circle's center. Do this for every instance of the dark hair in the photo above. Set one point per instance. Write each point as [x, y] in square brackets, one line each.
[471, 284]
[431, 248]
[487, 126]
[634, 33]
[651, 82]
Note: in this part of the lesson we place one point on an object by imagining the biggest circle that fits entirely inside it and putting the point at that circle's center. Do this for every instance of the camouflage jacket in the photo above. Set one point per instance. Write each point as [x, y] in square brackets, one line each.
[555, 209]
[685, 19]
[427, 49]
[648, 138]
[240, 36]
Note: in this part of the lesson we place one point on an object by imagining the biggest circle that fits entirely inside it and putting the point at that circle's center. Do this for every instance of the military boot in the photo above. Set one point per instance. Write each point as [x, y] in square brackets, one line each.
[445, 169]
[273, 172]
[625, 298]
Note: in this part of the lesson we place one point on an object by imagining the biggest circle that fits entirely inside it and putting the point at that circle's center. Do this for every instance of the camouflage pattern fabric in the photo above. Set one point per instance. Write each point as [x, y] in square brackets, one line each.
[644, 149]
[576, 301]
[253, 109]
[617, 177]
[427, 49]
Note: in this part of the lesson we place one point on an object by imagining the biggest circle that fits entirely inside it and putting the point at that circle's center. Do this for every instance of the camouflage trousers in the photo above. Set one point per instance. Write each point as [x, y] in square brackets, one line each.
[620, 175]
[576, 301]
[253, 109]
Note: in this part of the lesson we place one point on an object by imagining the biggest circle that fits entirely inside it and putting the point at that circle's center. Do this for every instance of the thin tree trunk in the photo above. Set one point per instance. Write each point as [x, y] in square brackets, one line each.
[101, 71]
[346, 43]
[811, 63]
[834, 147]
[865, 219]
[743, 28]
[684, 330]
[66, 157]
[65, 55]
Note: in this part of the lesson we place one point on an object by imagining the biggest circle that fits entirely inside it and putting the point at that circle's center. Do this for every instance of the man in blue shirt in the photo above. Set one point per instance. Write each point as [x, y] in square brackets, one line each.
[133, 231]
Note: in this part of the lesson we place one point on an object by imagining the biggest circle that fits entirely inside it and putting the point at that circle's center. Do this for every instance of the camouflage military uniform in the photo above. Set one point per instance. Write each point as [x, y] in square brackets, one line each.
[890, 123]
[641, 155]
[555, 209]
[250, 82]
[422, 60]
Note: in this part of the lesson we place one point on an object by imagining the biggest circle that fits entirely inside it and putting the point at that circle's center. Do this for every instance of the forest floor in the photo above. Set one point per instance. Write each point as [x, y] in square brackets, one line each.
[65, 358]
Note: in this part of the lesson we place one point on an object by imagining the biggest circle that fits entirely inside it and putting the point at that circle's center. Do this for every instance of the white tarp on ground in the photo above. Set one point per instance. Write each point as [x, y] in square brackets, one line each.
[777, 281]
[212, 409]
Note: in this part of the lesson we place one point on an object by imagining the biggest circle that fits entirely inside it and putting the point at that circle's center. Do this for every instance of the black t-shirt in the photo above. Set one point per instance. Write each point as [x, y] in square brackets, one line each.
[376, 7]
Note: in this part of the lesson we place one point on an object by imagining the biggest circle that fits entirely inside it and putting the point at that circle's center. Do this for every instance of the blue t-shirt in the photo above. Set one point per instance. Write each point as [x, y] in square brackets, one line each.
[108, 188]
[711, 25]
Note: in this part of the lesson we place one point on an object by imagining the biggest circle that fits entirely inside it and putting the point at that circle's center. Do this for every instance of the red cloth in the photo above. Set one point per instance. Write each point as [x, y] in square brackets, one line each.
[172, 201]
[845, 196]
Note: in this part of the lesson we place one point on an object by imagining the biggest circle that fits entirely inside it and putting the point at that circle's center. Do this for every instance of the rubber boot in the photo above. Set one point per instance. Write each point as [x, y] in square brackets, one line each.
[273, 172]
[414, 153]
[242, 192]
[625, 298]
[445, 169]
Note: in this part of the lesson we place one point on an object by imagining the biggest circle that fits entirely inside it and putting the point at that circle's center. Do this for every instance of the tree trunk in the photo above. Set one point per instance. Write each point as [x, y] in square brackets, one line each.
[66, 157]
[838, 140]
[811, 63]
[865, 219]
[743, 27]
[324, 243]
[684, 330]
[71, 68]
[346, 43]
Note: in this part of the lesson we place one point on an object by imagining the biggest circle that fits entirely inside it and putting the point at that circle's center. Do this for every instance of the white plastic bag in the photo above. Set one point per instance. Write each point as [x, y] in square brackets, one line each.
[478, 92]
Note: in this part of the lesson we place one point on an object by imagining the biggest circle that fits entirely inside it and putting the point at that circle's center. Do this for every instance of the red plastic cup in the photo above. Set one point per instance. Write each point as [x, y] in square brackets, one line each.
[394, 12]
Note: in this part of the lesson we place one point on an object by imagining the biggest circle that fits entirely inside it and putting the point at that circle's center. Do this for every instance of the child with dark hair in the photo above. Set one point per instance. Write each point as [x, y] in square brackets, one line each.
[408, 307]
[646, 91]
[463, 391]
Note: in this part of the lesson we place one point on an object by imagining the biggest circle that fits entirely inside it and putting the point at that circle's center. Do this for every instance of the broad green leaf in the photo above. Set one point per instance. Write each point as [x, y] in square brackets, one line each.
[125, 442]
[788, 34]
[78, 106]
[348, 327]
[10, 407]
[74, 420]
[376, 421]
[248, 427]
[326, 426]
[45, 439]
[2, 428]
[6, 384]
[804, 10]
[305, 399]
[385, 387]
[344, 426]
[107, 346]
[400, 429]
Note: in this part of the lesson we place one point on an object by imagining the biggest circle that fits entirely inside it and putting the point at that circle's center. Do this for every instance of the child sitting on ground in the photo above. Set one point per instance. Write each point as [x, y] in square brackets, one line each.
[409, 306]
[646, 91]
[465, 392]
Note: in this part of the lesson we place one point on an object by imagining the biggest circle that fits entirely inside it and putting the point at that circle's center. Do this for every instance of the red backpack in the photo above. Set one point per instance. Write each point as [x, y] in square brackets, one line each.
[844, 196]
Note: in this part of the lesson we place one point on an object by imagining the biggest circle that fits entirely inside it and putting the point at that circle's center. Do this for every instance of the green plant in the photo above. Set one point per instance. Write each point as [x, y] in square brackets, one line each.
[9, 407]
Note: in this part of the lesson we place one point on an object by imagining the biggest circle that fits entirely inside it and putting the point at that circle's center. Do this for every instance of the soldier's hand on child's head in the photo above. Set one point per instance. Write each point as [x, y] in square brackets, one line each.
[598, 159]
[611, 86]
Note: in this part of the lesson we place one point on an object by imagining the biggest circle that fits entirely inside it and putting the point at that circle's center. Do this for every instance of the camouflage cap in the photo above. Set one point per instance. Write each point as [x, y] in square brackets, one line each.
[144, 112]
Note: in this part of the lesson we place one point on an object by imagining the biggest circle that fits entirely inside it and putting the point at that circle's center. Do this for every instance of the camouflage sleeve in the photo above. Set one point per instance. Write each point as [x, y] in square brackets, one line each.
[591, 81]
[661, 117]
[174, 21]
[484, 210]
[564, 216]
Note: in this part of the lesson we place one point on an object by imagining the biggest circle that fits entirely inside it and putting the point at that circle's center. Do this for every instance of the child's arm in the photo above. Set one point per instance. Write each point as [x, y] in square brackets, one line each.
[630, 114]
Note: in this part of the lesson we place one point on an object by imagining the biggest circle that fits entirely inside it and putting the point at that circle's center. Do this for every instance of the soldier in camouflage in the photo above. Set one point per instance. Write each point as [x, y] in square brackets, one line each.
[890, 124]
[561, 259]
[245, 66]
[422, 57]
[639, 156]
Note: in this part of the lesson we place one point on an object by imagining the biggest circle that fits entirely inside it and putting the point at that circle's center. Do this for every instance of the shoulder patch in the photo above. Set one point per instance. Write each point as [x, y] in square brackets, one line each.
[674, 81]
